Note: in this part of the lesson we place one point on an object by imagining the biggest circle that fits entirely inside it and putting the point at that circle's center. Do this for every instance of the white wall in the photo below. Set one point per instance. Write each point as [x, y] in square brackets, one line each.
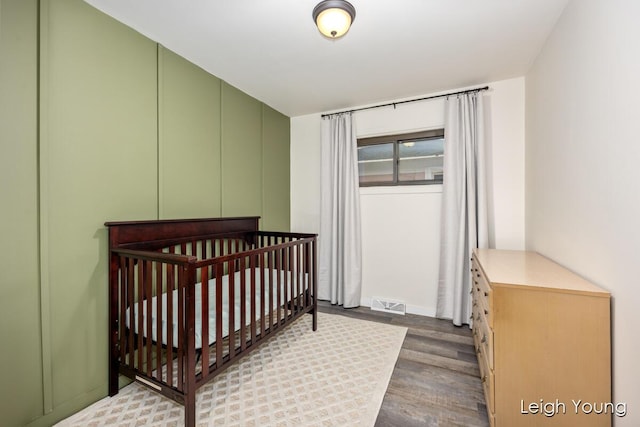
[401, 225]
[582, 157]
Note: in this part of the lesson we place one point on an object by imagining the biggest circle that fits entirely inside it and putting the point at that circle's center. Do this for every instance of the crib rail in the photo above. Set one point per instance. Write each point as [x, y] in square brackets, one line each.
[183, 309]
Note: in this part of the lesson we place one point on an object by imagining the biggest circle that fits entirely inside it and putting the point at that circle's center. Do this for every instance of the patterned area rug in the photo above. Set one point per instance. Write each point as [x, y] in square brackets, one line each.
[336, 376]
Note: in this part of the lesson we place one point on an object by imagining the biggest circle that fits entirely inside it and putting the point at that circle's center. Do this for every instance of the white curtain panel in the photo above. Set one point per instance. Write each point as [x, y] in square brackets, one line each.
[464, 206]
[340, 246]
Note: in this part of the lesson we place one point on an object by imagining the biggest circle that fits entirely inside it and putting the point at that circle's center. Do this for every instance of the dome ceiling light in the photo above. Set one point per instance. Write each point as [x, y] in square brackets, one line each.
[334, 17]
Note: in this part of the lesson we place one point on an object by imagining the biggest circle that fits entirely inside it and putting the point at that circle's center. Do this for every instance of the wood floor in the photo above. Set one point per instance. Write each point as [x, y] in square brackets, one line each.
[436, 378]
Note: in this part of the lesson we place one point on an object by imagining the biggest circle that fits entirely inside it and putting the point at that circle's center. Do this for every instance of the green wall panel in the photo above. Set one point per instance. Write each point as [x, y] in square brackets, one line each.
[98, 163]
[189, 105]
[275, 170]
[21, 392]
[113, 127]
[241, 153]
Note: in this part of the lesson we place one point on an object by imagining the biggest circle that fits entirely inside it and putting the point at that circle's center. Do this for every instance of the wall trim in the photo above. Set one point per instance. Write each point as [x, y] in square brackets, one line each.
[159, 129]
[43, 206]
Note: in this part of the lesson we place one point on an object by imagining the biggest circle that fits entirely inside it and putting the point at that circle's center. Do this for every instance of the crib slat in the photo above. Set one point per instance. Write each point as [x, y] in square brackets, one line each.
[170, 287]
[296, 282]
[301, 276]
[181, 326]
[307, 274]
[232, 311]
[219, 309]
[292, 296]
[149, 324]
[243, 302]
[140, 318]
[252, 295]
[159, 319]
[132, 320]
[279, 285]
[124, 287]
[287, 280]
[262, 294]
[270, 287]
[204, 318]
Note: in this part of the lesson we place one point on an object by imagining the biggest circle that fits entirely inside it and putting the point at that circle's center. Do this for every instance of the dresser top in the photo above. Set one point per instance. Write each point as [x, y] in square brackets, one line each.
[523, 268]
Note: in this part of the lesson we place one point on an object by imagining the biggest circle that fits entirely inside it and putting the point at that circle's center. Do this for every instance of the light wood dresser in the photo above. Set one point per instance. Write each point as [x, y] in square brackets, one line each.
[542, 337]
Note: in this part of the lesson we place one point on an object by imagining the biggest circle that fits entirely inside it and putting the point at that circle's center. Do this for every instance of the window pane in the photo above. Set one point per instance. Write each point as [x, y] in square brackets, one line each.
[420, 160]
[375, 163]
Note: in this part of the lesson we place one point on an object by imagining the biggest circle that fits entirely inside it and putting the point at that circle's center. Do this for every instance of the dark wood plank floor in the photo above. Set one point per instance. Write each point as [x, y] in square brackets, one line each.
[436, 378]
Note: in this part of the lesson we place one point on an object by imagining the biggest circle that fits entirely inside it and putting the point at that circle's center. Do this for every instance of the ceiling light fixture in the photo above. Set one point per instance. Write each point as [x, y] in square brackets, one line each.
[334, 17]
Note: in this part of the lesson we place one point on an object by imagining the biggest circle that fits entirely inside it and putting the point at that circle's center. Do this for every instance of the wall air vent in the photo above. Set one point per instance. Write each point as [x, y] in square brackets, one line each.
[388, 306]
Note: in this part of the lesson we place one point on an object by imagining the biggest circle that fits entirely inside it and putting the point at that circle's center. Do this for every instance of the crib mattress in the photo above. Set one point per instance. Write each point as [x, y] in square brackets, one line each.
[285, 278]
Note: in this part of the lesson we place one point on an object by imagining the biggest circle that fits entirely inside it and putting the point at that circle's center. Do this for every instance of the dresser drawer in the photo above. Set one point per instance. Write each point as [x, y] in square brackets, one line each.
[483, 293]
[483, 337]
[488, 381]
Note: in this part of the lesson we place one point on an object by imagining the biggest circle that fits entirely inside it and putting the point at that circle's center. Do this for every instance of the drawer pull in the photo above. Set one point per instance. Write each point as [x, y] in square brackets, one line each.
[484, 338]
[484, 379]
[486, 294]
[486, 312]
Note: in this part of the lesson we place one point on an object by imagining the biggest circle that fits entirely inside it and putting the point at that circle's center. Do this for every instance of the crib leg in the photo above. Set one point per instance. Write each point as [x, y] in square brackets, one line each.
[315, 319]
[190, 410]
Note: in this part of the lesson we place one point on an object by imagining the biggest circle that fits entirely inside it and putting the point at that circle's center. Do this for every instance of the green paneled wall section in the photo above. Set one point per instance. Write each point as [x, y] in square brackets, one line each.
[189, 109]
[242, 153]
[275, 178]
[98, 149]
[20, 355]
[98, 123]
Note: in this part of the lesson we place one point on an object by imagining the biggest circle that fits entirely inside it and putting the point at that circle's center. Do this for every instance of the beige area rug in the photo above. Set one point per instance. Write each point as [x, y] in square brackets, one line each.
[336, 376]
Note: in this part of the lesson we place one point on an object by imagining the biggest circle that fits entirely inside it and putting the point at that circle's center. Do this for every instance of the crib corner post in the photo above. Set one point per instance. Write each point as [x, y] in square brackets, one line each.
[114, 356]
[314, 326]
[190, 310]
[190, 409]
[314, 286]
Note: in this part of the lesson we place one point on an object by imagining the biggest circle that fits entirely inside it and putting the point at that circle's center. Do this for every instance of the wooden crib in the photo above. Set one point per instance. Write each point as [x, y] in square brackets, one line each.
[215, 289]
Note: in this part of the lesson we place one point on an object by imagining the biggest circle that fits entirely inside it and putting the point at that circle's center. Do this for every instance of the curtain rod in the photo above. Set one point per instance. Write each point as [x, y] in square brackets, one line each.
[478, 89]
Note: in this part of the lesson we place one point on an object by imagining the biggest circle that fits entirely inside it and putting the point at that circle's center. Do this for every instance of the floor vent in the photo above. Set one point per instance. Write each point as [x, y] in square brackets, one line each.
[388, 306]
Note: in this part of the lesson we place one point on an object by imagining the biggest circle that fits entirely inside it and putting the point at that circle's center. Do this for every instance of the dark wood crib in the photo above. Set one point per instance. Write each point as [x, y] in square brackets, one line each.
[215, 289]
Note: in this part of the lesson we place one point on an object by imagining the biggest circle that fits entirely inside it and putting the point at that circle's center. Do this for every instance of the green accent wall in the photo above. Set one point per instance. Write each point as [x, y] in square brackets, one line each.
[21, 391]
[98, 152]
[189, 139]
[242, 153]
[99, 123]
[275, 178]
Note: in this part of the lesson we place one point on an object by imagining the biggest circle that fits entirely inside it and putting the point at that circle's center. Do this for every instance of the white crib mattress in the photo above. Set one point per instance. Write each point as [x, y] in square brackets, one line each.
[284, 289]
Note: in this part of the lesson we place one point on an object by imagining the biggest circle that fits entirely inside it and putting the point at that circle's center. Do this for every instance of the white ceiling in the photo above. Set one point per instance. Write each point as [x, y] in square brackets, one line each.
[395, 49]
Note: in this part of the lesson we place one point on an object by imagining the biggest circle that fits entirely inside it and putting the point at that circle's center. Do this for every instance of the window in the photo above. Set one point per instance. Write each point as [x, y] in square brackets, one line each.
[415, 158]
